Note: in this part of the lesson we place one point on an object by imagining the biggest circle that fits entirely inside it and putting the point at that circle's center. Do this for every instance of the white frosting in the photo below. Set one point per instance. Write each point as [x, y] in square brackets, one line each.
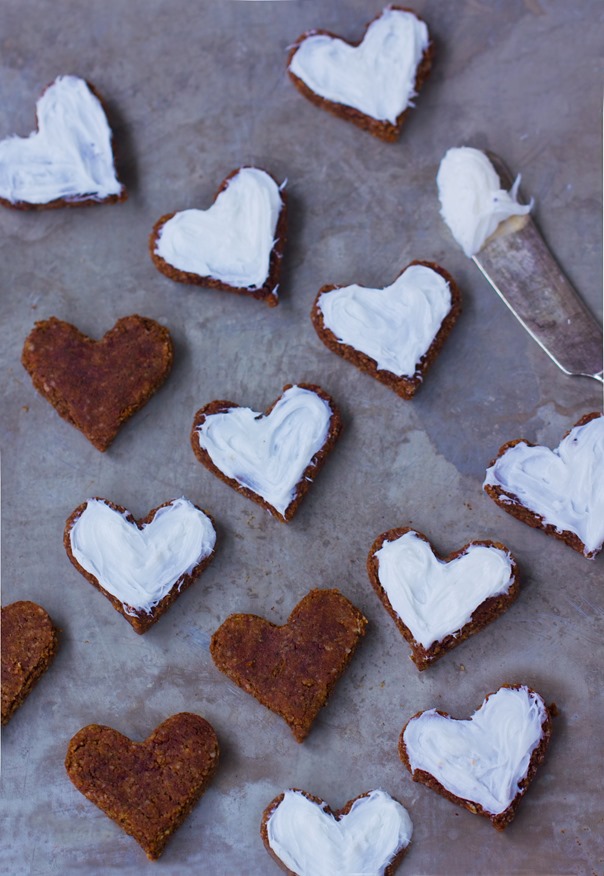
[268, 454]
[378, 76]
[564, 486]
[395, 325]
[433, 598]
[483, 759]
[70, 155]
[140, 566]
[232, 241]
[472, 202]
[311, 842]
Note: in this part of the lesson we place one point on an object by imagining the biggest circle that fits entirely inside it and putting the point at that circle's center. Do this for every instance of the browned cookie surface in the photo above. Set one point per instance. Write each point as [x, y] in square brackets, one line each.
[148, 788]
[97, 385]
[382, 129]
[291, 669]
[29, 642]
[404, 385]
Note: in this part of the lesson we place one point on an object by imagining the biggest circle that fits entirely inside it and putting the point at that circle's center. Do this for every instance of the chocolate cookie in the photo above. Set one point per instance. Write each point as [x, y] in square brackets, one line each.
[148, 788]
[98, 385]
[291, 669]
[29, 643]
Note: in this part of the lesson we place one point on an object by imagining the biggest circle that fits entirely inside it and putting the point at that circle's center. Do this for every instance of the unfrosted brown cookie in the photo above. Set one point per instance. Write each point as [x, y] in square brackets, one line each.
[371, 83]
[485, 763]
[29, 643]
[141, 566]
[560, 491]
[148, 788]
[305, 836]
[69, 160]
[98, 385]
[236, 245]
[439, 602]
[395, 333]
[291, 669]
[272, 458]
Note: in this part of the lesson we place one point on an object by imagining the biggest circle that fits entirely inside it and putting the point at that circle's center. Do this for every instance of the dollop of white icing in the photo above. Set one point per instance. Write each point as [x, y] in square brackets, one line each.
[395, 325]
[68, 157]
[140, 566]
[231, 241]
[311, 842]
[484, 758]
[564, 486]
[472, 202]
[433, 598]
[268, 454]
[378, 76]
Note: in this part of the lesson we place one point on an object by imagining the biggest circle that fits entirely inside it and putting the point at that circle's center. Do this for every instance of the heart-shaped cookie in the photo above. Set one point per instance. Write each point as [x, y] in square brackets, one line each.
[291, 669]
[395, 333]
[306, 838]
[438, 603]
[271, 458]
[560, 491]
[141, 566]
[69, 160]
[98, 385]
[485, 763]
[236, 245]
[148, 788]
[371, 83]
[29, 642]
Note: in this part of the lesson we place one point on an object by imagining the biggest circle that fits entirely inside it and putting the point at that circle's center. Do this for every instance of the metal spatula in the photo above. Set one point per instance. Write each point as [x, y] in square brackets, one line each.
[524, 273]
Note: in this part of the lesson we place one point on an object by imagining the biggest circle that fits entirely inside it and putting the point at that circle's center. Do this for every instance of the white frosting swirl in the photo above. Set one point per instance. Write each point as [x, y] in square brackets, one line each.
[564, 486]
[378, 76]
[69, 157]
[231, 241]
[482, 759]
[472, 202]
[140, 566]
[395, 325]
[268, 454]
[311, 842]
[433, 598]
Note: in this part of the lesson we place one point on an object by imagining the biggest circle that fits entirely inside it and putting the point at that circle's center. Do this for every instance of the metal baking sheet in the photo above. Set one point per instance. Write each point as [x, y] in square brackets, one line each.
[194, 90]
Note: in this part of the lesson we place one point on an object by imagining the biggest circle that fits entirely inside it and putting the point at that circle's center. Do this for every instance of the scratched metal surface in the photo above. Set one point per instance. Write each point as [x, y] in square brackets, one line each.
[195, 90]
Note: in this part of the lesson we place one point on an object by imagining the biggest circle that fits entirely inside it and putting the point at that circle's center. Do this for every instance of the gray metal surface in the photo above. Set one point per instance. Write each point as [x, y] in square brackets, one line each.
[196, 89]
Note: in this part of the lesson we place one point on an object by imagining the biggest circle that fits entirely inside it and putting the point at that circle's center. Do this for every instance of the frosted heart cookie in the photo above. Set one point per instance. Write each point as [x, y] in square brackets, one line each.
[68, 161]
[236, 245]
[271, 458]
[370, 834]
[395, 333]
[438, 603]
[291, 669]
[148, 788]
[485, 763]
[28, 645]
[371, 83]
[98, 385]
[141, 566]
[560, 491]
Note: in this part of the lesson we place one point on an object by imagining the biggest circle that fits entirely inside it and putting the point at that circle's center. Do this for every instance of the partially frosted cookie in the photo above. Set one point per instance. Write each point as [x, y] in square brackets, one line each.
[69, 160]
[369, 835]
[271, 458]
[472, 201]
[395, 333]
[560, 491]
[371, 83]
[235, 245]
[141, 566]
[437, 603]
[486, 763]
